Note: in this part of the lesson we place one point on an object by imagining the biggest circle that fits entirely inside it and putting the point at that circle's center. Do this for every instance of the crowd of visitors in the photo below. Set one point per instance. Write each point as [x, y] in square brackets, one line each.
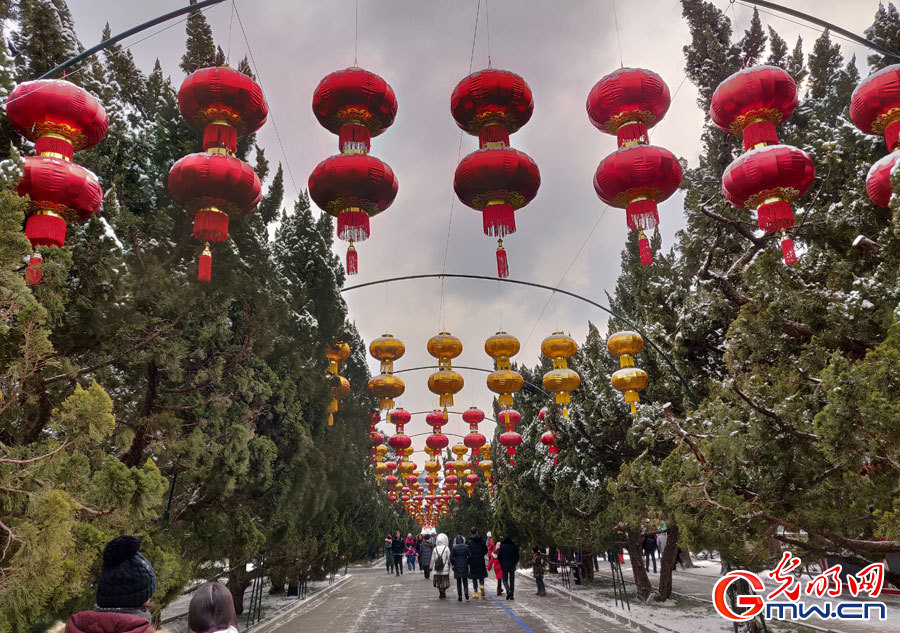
[468, 559]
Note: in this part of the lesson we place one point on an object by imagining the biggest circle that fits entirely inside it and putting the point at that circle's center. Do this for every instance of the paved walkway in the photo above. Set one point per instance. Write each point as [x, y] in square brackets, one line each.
[374, 601]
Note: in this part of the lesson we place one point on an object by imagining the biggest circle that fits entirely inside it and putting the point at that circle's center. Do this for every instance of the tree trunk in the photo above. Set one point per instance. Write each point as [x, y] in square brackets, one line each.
[238, 581]
[667, 560]
[587, 564]
[277, 578]
[633, 542]
[686, 559]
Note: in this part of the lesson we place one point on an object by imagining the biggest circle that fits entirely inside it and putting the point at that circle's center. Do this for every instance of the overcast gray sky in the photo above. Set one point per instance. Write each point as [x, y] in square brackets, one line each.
[422, 48]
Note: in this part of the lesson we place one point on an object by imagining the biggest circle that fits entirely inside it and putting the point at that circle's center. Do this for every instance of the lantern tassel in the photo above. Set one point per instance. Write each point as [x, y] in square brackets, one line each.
[644, 249]
[46, 229]
[502, 261]
[787, 249]
[204, 267]
[33, 273]
[211, 225]
[352, 260]
[498, 219]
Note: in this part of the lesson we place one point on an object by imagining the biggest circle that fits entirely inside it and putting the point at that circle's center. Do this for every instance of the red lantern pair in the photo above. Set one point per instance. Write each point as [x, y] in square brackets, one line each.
[510, 438]
[496, 179]
[875, 109]
[548, 438]
[638, 175]
[60, 118]
[474, 440]
[353, 186]
[768, 177]
[215, 185]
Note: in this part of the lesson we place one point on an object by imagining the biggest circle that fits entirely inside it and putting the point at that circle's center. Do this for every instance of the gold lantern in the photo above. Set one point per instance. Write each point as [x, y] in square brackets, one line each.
[560, 380]
[340, 386]
[503, 380]
[386, 386]
[445, 382]
[629, 379]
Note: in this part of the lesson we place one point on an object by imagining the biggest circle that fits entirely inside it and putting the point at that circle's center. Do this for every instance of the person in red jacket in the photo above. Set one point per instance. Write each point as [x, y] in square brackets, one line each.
[494, 564]
[127, 582]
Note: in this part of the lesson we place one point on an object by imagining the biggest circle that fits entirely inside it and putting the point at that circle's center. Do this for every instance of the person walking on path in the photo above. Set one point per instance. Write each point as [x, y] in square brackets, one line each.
[418, 546]
[538, 562]
[440, 565]
[127, 582]
[212, 610]
[459, 560]
[508, 557]
[397, 550]
[425, 556]
[649, 551]
[388, 554]
[494, 564]
[477, 569]
[411, 558]
[661, 540]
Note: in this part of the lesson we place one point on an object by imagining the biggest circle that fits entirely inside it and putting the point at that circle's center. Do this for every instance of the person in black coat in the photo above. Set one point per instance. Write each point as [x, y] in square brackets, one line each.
[425, 557]
[508, 557]
[398, 548]
[649, 551]
[459, 560]
[477, 566]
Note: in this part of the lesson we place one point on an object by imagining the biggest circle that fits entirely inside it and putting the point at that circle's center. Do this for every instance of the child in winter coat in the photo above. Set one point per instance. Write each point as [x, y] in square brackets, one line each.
[411, 558]
[538, 561]
[494, 564]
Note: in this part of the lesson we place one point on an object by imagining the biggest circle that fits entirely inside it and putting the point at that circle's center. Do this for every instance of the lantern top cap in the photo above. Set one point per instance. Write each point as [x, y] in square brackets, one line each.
[559, 345]
[874, 102]
[625, 342]
[758, 93]
[444, 345]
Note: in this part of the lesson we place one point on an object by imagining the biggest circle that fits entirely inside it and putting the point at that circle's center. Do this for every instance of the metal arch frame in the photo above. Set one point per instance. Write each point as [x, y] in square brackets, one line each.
[532, 284]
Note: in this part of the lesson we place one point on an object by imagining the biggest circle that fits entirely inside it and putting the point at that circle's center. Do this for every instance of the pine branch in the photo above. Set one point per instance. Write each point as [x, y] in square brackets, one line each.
[786, 428]
[739, 226]
[5, 460]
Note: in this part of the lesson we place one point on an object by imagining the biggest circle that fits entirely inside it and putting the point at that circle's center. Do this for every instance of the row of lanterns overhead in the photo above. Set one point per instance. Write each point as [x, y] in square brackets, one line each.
[215, 186]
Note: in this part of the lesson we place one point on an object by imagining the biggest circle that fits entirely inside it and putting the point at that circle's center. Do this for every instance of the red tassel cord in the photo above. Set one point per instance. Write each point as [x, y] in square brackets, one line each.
[354, 139]
[787, 249]
[46, 229]
[352, 260]
[632, 134]
[776, 215]
[892, 135]
[494, 135]
[353, 225]
[642, 215]
[34, 273]
[211, 225]
[502, 261]
[204, 267]
[54, 147]
[220, 136]
[498, 219]
[645, 250]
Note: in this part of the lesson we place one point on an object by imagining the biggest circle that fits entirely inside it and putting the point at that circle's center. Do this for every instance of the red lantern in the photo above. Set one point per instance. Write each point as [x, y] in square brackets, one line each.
[216, 185]
[473, 416]
[875, 109]
[768, 180]
[627, 102]
[636, 179]
[224, 103]
[495, 180]
[768, 177]
[752, 101]
[878, 182]
[638, 176]
[60, 192]
[60, 118]
[548, 439]
[510, 439]
[356, 105]
[875, 105]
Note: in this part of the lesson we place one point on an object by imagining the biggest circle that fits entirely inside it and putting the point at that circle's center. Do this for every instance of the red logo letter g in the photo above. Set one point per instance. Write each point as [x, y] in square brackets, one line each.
[754, 604]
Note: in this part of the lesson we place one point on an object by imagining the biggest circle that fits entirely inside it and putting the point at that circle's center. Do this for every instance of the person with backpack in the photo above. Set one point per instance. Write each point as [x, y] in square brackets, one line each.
[477, 569]
[508, 556]
[459, 559]
[440, 565]
[425, 557]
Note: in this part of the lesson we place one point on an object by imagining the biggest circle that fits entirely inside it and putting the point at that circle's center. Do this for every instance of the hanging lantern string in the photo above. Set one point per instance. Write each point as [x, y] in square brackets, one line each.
[230, 27]
[356, 36]
[487, 28]
[618, 37]
[458, 157]
[287, 163]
